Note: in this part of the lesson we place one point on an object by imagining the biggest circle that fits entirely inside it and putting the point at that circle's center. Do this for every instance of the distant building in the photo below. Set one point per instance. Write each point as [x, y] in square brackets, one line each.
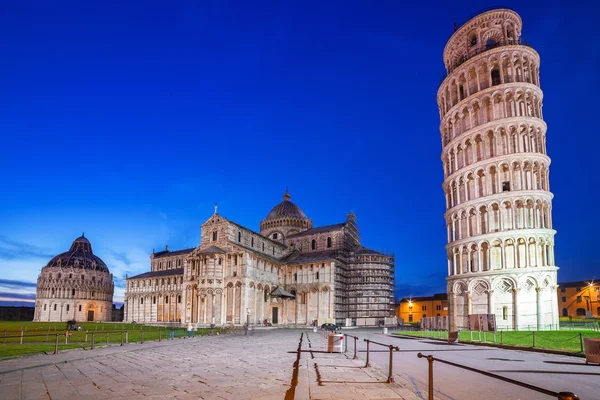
[575, 299]
[579, 299]
[117, 314]
[412, 309]
[74, 285]
[496, 177]
[290, 273]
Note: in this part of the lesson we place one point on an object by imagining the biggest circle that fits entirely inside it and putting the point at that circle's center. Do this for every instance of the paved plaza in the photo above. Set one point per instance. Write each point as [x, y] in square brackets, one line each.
[262, 365]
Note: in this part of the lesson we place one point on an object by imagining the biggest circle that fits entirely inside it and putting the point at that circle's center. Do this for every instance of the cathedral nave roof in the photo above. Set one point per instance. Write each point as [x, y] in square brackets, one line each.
[156, 274]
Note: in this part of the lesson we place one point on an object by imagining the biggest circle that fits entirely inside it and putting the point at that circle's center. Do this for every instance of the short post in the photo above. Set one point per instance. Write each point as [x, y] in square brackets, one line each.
[121, 338]
[142, 337]
[390, 376]
[159, 335]
[581, 341]
[21, 337]
[430, 388]
[66, 337]
[346, 344]
[86, 333]
[126, 337]
[106, 336]
[93, 340]
[533, 339]
[355, 338]
[56, 345]
[500, 337]
[367, 363]
[567, 396]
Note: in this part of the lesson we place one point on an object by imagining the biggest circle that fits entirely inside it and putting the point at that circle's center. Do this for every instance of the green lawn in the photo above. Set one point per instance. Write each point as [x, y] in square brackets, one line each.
[38, 337]
[551, 340]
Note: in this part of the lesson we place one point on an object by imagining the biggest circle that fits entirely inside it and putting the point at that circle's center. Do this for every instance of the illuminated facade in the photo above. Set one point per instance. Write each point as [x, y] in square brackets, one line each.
[496, 177]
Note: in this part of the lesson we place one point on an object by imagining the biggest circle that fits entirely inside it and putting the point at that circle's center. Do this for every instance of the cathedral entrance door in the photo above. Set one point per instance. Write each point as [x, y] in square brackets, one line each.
[90, 315]
[275, 318]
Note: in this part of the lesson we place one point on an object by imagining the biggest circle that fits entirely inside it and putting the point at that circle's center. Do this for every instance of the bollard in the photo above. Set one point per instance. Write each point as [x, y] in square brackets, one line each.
[533, 333]
[567, 396]
[142, 337]
[66, 337]
[86, 333]
[21, 337]
[126, 337]
[581, 341]
[121, 338]
[93, 340]
[56, 345]
[430, 388]
[107, 338]
[159, 335]
[367, 363]
[355, 338]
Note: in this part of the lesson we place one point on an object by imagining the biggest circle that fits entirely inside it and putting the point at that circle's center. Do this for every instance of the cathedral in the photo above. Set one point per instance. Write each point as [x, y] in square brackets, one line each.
[289, 274]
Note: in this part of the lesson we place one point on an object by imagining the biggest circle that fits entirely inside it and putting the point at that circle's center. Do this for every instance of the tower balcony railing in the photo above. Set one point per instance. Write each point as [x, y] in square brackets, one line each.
[476, 50]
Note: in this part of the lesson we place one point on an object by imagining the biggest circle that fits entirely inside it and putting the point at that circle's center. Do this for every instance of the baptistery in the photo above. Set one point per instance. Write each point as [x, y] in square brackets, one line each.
[74, 285]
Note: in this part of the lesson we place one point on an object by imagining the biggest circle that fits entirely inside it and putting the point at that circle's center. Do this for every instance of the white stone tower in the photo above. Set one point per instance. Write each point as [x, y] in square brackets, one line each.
[498, 200]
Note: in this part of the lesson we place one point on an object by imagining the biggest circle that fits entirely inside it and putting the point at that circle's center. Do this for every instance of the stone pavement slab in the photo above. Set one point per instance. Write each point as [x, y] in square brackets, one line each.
[262, 365]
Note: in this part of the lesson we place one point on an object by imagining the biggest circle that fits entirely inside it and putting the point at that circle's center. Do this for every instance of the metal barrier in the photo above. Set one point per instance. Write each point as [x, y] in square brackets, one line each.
[430, 359]
[355, 339]
[389, 346]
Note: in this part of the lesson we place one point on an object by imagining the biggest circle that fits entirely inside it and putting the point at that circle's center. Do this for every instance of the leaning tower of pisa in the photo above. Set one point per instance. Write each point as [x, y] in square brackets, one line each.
[498, 201]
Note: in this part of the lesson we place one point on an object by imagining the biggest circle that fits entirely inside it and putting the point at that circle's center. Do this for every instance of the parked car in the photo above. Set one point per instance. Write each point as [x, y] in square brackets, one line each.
[330, 327]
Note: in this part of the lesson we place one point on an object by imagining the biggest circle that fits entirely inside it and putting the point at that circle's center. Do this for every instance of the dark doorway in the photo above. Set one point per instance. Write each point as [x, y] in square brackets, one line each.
[565, 312]
[275, 318]
[90, 315]
[598, 311]
[581, 312]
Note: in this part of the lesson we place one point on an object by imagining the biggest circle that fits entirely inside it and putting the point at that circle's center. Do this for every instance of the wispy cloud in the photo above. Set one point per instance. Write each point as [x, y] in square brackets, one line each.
[13, 249]
[11, 296]
[13, 284]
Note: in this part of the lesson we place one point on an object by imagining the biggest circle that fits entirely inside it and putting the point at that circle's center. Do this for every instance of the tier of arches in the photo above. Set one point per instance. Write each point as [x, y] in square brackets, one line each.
[485, 32]
[302, 224]
[499, 216]
[154, 307]
[496, 178]
[492, 106]
[518, 300]
[501, 254]
[516, 66]
[501, 141]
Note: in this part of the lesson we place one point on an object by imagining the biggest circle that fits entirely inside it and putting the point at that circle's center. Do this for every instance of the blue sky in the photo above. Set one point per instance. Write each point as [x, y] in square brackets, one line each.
[128, 120]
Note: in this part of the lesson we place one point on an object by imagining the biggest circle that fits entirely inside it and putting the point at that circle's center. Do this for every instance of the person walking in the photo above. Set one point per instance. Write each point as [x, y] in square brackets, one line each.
[189, 330]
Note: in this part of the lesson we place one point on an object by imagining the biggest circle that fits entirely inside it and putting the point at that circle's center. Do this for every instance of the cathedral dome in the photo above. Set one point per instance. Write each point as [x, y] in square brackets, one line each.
[284, 219]
[80, 255]
[285, 209]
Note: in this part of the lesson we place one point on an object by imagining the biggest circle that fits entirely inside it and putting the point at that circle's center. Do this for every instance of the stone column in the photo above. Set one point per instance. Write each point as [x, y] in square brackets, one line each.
[540, 316]
[554, 305]
[516, 308]
[469, 296]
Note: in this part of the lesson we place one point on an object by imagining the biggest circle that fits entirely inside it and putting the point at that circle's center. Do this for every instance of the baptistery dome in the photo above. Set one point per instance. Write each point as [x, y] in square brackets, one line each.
[285, 219]
[74, 285]
[80, 255]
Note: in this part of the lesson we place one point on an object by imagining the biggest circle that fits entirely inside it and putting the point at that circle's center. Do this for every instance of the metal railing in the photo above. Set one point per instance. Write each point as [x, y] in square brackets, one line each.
[74, 339]
[391, 366]
[346, 348]
[430, 359]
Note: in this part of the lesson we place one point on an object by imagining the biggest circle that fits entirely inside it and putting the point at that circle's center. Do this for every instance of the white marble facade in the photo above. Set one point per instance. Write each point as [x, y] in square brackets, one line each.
[498, 200]
[288, 274]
